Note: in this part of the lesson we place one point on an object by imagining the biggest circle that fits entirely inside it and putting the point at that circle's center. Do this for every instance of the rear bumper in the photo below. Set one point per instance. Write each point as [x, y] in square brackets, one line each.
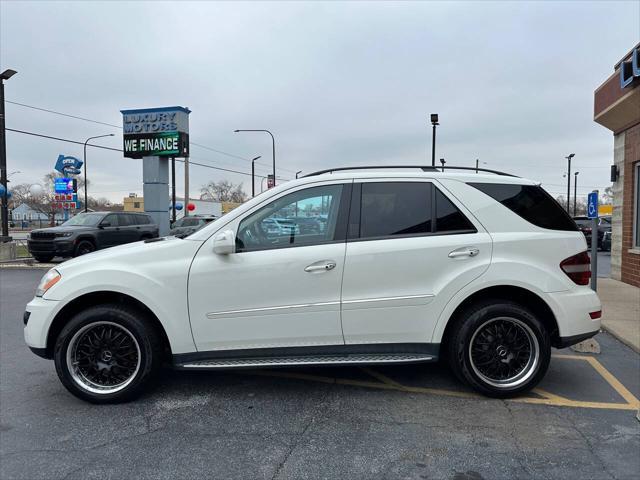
[571, 309]
[564, 342]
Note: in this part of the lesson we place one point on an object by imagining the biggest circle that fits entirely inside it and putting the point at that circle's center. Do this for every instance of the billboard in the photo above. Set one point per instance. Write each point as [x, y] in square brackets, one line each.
[65, 185]
[162, 132]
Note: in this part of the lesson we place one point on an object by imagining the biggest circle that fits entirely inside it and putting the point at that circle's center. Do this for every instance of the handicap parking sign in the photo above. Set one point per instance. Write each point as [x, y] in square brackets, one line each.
[592, 205]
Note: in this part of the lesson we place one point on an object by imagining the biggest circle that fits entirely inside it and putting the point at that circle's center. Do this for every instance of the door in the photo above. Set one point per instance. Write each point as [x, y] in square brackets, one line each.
[110, 232]
[281, 288]
[410, 247]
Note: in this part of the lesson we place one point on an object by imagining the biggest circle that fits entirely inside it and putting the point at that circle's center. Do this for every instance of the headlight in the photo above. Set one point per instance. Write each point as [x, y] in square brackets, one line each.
[64, 234]
[49, 280]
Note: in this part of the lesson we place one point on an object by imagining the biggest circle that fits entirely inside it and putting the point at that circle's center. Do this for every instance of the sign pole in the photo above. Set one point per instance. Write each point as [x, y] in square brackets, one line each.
[592, 213]
[186, 186]
[173, 189]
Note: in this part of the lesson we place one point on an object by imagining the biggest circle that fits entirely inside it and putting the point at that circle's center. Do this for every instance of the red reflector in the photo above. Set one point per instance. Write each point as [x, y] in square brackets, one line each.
[595, 315]
[578, 268]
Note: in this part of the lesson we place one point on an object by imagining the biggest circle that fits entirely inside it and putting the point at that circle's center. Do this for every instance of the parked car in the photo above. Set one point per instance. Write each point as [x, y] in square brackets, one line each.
[275, 227]
[307, 224]
[87, 232]
[485, 271]
[187, 225]
[606, 241]
[585, 224]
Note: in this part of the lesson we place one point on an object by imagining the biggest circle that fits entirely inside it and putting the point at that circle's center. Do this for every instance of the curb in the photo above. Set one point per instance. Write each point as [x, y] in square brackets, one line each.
[620, 338]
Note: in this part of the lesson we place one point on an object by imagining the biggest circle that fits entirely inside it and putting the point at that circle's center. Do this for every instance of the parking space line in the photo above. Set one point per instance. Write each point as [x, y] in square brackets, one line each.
[381, 377]
[549, 395]
[550, 399]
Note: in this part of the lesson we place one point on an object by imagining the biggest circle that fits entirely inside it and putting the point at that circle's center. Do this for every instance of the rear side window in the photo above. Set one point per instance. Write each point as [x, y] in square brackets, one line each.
[400, 209]
[391, 209]
[448, 217]
[530, 202]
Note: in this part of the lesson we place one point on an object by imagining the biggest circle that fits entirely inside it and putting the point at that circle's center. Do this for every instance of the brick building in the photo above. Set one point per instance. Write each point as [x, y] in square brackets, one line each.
[617, 107]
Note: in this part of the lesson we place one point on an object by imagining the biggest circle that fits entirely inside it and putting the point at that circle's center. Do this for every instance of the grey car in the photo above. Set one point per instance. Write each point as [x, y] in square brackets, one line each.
[187, 225]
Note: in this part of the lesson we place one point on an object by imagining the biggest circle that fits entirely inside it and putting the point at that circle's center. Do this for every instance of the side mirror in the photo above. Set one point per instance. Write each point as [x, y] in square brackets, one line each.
[104, 224]
[224, 243]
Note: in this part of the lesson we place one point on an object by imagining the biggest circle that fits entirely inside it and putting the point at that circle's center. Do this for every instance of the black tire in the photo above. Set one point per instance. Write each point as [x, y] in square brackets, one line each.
[92, 383]
[484, 364]
[43, 258]
[83, 247]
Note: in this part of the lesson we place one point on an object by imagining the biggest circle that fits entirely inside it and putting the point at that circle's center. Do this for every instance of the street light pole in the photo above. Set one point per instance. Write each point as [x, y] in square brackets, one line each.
[569, 157]
[434, 122]
[253, 174]
[575, 191]
[273, 149]
[84, 164]
[6, 75]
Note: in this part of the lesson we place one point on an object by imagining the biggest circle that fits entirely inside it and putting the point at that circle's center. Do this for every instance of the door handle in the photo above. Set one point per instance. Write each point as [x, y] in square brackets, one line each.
[464, 252]
[323, 265]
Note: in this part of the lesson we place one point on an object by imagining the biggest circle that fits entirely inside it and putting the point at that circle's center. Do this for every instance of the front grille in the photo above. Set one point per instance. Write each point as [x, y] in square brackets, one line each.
[43, 235]
[41, 246]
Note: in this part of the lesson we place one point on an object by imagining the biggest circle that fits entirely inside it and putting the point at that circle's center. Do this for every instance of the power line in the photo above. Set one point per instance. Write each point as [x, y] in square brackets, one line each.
[221, 152]
[50, 137]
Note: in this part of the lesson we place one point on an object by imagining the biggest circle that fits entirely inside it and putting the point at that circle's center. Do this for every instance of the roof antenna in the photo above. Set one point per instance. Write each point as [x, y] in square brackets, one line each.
[442, 161]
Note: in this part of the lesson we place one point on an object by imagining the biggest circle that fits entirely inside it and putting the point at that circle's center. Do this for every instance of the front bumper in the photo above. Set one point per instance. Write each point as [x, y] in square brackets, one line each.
[40, 315]
[58, 247]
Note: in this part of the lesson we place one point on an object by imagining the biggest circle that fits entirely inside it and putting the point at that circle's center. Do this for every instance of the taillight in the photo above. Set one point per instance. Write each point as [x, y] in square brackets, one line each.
[578, 268]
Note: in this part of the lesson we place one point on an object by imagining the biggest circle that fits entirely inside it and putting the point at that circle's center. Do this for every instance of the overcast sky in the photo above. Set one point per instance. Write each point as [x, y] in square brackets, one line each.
[337, 83]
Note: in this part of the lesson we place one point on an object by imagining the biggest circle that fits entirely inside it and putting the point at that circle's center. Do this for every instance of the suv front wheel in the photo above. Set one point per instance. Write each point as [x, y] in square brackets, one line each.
[500, 348]
[107, 354]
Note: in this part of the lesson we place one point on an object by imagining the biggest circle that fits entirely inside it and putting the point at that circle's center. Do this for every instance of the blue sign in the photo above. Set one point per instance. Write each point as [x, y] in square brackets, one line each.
[592, 205]
[68, 165]
[63, 185]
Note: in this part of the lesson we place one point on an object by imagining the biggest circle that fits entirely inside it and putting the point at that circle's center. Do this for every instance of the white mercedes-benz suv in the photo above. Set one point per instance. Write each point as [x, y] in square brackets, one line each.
[407, 265]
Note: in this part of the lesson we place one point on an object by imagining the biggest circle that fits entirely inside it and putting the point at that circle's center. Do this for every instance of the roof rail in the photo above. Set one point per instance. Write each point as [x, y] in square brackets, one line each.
[424, 168]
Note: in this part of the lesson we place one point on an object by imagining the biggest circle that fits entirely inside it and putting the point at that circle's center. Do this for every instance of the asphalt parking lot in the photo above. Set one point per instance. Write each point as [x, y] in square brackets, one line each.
[382, 422]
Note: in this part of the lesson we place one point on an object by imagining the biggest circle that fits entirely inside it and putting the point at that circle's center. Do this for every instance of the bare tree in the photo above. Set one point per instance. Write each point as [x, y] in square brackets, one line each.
[223, 191]
[46, 203]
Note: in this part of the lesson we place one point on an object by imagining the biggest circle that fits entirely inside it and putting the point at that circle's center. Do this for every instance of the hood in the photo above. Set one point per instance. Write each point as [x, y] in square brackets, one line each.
[63, 229]
[128, 255]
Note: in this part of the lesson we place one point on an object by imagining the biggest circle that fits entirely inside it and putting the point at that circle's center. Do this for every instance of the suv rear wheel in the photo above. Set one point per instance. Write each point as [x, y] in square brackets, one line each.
[500, 348]
[107, 354]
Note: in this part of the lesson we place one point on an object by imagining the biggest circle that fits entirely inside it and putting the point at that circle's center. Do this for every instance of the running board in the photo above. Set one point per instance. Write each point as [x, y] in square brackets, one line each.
[359, 359]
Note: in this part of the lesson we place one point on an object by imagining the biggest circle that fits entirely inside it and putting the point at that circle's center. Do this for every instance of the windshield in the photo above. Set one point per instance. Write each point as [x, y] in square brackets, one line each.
[84, 219]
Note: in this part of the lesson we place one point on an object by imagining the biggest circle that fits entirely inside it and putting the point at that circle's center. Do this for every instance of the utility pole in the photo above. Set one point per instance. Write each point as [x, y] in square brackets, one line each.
[569, 157]
[434, 122]
[6, 75]
[575, 191]
[253, 175]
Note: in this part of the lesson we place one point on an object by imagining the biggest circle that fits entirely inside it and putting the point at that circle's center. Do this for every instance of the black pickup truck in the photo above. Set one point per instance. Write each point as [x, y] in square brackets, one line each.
[91, 231]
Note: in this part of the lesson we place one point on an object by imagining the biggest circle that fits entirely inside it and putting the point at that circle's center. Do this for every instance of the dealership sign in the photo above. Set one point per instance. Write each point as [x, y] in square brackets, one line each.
[162, 132]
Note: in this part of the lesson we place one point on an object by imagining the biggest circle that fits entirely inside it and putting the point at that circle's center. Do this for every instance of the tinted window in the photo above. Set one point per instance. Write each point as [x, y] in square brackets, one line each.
[530, 202]
[448, 217]
[126, 220]
[143, 219]
[395, 208]
[112, 220]
[273, 226]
